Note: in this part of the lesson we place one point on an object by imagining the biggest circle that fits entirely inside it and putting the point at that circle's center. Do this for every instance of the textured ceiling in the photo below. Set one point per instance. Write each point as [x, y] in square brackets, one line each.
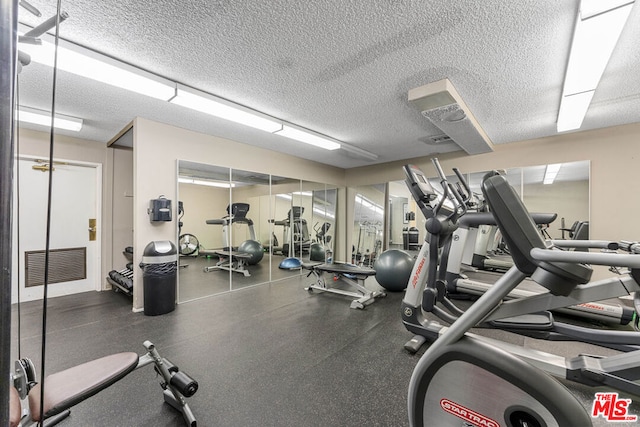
[339, 67]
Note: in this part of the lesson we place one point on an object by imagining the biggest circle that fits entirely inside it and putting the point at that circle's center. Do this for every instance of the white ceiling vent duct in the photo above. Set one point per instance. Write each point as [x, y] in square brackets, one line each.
[443, 106]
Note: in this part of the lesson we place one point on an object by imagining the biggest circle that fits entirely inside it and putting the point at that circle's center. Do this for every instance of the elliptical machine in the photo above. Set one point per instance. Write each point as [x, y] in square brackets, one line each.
[488, 382]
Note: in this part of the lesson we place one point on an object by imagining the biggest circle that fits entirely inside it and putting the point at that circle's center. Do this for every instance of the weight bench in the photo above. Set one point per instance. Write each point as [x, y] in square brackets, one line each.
[231, 261]
[352, 275]
[67, 388]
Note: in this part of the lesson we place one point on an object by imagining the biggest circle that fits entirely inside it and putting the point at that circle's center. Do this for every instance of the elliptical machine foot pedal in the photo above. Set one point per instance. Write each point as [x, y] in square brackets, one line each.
[414, 344]
[536, 321]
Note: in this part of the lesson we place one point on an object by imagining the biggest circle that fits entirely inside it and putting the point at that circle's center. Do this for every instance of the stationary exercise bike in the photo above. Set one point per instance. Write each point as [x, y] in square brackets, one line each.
[466, 378]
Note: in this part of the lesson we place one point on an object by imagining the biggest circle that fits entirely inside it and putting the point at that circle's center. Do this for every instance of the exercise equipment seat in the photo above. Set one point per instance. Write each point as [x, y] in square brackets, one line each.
[71, 386]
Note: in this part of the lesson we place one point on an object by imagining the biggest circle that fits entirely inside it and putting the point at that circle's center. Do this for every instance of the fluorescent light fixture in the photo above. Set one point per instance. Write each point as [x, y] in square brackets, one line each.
[91, 65]
[597, 30]
[43, 118]
[551, 172]
[284, 196]
[324, 213]
[573, 108]
[363, 201]
[303, 193]
[307, 137]
[86, 63]
[218, 184]
[223, 109]
[590, 8]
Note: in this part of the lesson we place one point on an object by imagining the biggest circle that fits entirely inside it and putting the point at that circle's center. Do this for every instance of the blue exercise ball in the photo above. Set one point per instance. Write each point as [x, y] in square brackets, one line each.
[393, 269]
[253, 248]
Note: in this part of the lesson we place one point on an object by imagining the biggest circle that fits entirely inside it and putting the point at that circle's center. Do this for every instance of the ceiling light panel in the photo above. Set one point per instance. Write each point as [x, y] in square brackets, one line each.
[43, 118]
[85, 63]
[551, 172]
[187, 180]
[308, 137]
[573, 108]
[223, 109]
[597, 30]
[593, 42]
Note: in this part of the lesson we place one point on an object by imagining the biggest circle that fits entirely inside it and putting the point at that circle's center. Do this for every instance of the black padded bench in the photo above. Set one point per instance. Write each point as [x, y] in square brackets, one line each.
[231, 261]
[352, 275]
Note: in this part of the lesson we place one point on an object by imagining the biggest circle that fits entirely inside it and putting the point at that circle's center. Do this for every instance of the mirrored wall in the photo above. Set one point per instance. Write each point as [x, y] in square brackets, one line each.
[368, 224]
[562, 189]
[239, 229]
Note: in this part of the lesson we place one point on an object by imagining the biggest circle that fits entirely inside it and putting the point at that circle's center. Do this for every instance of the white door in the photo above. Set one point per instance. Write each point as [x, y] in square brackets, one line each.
[75, 258]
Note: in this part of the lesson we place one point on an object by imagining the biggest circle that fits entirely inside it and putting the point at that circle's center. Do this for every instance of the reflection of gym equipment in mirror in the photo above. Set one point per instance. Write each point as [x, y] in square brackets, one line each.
[236, 214]
[320, 249]
[323, 209]
[578, 231]
[295, 233]
[322, 233]
[188, 244]
[369, 217]
[207, 189]
[295, 238]
[369, 243]
[250, 252]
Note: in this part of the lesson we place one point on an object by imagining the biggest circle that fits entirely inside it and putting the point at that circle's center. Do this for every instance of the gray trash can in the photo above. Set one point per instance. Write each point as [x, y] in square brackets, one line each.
[159, 276]
[405, 238]
[413, 239]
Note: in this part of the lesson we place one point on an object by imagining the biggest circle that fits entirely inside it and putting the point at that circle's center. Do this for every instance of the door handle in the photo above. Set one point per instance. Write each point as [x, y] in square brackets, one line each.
[92, 229]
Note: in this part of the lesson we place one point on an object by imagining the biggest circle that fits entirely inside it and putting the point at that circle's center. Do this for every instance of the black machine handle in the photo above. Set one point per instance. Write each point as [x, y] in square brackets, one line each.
[450, 192]
[463, 187]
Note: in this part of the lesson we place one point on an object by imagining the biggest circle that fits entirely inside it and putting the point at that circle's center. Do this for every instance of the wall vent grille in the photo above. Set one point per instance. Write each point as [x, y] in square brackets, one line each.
[65, 265]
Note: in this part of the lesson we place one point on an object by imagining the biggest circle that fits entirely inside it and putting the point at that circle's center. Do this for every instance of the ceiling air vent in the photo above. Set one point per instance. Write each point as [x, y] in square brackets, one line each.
[443, 106]
[436, 139]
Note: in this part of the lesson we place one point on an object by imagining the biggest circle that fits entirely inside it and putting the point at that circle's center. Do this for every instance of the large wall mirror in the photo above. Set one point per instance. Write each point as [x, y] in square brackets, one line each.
[368, 224]
[319, 203]
[250, 228]
[566, 194]
[287, 220]
[204, 193]
[237, 228]
[561, 188]
[323, 214]
[402, 217]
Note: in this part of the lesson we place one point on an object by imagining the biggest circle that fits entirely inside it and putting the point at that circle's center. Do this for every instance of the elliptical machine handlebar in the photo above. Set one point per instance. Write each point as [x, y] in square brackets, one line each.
[450, 193]
[462, 180]
[424, 194]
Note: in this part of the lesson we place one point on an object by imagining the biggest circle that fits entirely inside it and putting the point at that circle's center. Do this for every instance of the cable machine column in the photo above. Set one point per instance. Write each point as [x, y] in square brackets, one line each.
[8, 37]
